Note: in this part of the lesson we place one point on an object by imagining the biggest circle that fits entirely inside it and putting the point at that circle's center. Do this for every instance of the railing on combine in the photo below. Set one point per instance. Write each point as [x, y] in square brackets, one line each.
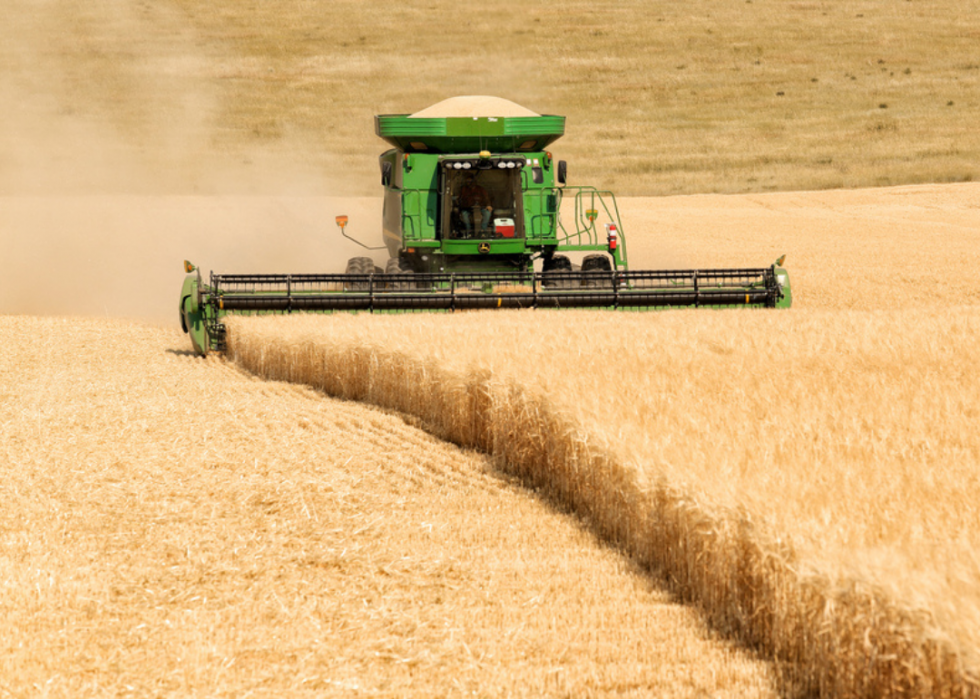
[591, 208]
[412, 212]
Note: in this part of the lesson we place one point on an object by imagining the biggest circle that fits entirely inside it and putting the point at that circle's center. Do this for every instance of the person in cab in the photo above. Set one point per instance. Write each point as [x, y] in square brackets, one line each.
[474, 203]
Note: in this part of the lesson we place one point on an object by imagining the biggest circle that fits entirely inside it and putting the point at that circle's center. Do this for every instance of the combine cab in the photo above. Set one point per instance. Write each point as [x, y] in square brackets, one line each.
[477, 215]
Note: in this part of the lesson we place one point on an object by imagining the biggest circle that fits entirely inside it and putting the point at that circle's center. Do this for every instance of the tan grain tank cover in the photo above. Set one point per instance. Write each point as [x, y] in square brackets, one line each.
[475, 106]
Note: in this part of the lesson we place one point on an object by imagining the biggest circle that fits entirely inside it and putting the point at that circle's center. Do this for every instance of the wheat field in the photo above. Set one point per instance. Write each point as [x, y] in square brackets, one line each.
[122, 453]
[175, 527]
[807, 479]
[564, 505]
[809, 482]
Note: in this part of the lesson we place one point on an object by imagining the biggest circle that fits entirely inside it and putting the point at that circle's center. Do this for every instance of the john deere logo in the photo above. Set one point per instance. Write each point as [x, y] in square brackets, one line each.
[484, 248]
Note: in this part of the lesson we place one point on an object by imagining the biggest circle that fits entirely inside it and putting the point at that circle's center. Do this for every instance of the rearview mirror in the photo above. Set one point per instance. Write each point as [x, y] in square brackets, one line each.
[562, 171]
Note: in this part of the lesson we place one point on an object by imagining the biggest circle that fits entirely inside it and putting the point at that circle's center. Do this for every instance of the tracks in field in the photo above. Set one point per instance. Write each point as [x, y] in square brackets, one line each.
[413, 457]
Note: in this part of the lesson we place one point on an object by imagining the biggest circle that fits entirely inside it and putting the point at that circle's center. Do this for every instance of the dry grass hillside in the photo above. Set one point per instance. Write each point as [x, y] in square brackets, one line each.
[661, 97]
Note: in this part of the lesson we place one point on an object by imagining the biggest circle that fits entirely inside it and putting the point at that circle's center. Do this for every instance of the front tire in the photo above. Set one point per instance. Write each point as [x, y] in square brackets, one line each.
[596, 264]
[360, 266]
[556, 272]
[398, 266]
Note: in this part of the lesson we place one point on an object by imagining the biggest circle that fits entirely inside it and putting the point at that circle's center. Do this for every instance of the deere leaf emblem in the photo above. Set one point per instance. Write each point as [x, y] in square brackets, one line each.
[484, 248]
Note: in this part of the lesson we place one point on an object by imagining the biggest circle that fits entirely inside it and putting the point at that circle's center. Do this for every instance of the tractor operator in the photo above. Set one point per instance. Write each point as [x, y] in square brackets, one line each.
[472, 199]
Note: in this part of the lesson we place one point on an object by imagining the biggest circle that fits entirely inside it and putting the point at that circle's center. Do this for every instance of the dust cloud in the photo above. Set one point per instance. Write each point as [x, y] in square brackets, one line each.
[110, 176]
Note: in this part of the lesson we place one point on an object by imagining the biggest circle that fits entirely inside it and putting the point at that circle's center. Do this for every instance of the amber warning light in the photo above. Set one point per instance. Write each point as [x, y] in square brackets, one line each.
[342, 222]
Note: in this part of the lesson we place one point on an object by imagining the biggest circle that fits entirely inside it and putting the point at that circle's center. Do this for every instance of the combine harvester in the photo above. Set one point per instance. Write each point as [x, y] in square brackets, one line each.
[472, 203]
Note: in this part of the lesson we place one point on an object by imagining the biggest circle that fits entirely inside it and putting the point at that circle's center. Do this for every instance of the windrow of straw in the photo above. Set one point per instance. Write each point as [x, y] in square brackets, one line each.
[838, 635]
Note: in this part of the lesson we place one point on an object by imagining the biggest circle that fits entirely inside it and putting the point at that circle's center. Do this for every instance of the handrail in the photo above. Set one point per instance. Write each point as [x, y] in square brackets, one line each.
[585, 232]
[586, 199]
[412, 219]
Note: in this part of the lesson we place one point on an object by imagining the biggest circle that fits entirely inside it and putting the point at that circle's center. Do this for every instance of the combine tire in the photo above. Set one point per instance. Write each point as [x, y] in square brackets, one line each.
[595, 264]
[398, 266]
[556, 273]
[359, 265]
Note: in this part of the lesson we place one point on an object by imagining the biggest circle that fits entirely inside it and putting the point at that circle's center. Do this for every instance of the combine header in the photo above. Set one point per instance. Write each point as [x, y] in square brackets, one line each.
[471, 203]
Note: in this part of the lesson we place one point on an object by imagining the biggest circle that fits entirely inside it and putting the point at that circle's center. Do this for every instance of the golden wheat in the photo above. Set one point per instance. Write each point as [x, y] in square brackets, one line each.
[891, 248]
[807, 479]
[173, 527]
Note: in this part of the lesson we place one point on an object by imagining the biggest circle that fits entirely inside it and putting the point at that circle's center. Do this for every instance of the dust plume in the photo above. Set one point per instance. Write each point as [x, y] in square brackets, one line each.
[111, 174]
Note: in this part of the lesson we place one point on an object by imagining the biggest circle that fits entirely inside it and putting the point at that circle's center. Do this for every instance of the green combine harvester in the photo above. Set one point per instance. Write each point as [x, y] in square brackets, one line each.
[478, 215]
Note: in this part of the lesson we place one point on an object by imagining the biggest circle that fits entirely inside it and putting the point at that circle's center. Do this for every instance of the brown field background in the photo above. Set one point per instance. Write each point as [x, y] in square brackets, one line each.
[175, 526]
[661, 97]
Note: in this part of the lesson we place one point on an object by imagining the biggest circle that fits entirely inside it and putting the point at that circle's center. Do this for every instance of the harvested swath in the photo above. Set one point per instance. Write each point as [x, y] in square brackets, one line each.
[172, 526]
[807, 479]
[475, 106]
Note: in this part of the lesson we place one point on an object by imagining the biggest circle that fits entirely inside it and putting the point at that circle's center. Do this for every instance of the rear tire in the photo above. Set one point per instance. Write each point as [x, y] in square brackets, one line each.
[595, 264]
[556, 272]
[396, 265]
[359, 266]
